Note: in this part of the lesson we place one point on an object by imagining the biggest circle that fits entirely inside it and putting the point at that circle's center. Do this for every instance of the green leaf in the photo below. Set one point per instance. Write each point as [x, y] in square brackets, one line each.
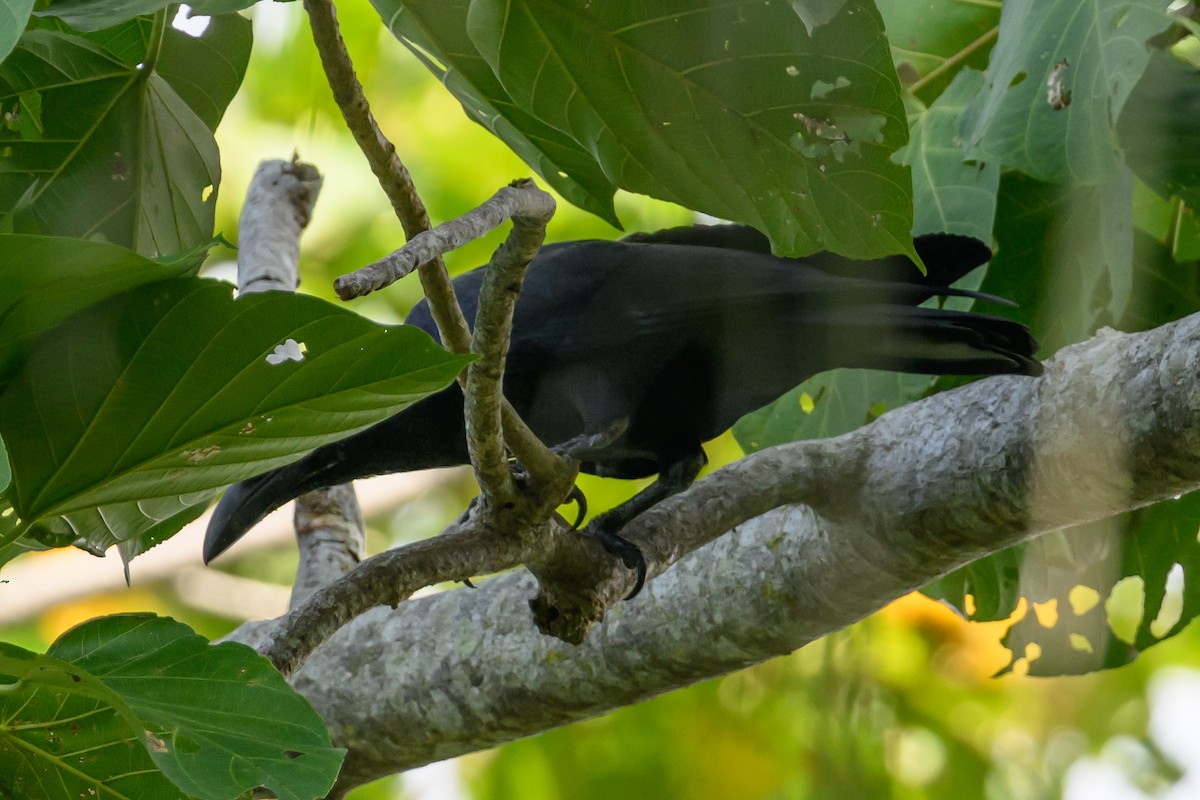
[828, 404]
[175, 388]
[5, 470]
[436, 33]
[728, 108]
[47, 279]
[65, 735]
[92, 15]
[1160, 128]
[13, 16]
[1057, 79]
[815, 13]
[950, 194]
[223, 720]
[202, 7]
[993, 584]
[206, 70]
[1065, 256]
[100, 148]
[134, 526]
[12, 541]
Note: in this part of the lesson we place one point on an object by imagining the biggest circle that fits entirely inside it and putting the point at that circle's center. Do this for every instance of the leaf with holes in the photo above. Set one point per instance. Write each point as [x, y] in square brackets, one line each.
[729, 108]
[65, 735]
[140, 706]
[1103, 592]
[175, 388]
[1057, 78]
[828, 404]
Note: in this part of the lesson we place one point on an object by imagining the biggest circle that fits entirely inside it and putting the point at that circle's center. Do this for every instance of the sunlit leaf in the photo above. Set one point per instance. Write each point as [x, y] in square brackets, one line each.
[924, 35]
[1057, 80]
[13, 16]
[829, 404]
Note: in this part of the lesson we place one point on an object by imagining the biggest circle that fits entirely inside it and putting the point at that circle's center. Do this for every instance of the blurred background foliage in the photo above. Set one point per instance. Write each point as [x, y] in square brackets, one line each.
[903, 705]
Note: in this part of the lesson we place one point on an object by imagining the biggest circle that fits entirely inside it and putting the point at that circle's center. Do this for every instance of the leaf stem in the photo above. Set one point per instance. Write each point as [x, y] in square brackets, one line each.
[954, 60]
[154, 46]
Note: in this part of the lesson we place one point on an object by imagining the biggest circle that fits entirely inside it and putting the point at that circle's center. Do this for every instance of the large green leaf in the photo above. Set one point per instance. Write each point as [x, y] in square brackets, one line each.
[138, 706]
[92, 15]
[13, 16]
[728, 108]
[1065, 256]
[176, 388]
[1160, 128]
[65, 735]
[1056, 82]
[1084, 621]
[436, 32]
[950, 193]
[206, 70]
[5, 471]
[99, 144]
[828, 404]
[223, 720]
[47, 279]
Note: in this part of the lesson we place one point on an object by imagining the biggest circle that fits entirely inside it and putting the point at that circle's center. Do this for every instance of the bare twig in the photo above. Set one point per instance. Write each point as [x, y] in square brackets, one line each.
[530, 209]
[332, 538]
[466, 549]
[279, 204]
[391, 173]
[398, 185]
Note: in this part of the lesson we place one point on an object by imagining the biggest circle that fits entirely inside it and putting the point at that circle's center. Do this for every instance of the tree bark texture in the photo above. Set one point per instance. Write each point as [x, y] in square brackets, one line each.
[1113, 425]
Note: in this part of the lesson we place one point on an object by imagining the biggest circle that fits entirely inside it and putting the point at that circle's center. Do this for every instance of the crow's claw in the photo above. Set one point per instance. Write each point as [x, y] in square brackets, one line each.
[629, 553]
[577, 496]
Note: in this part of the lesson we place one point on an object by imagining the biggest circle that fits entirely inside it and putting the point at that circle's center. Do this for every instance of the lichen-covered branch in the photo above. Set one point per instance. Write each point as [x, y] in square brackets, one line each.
[279, 204]
[467, 549]
[1113, 425]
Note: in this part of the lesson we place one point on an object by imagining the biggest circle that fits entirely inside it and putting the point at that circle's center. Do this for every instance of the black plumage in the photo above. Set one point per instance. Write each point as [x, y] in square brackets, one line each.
[669, 338]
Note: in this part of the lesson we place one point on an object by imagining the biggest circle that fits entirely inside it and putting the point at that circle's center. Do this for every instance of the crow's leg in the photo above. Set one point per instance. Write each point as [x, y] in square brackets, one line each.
[604, 528]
